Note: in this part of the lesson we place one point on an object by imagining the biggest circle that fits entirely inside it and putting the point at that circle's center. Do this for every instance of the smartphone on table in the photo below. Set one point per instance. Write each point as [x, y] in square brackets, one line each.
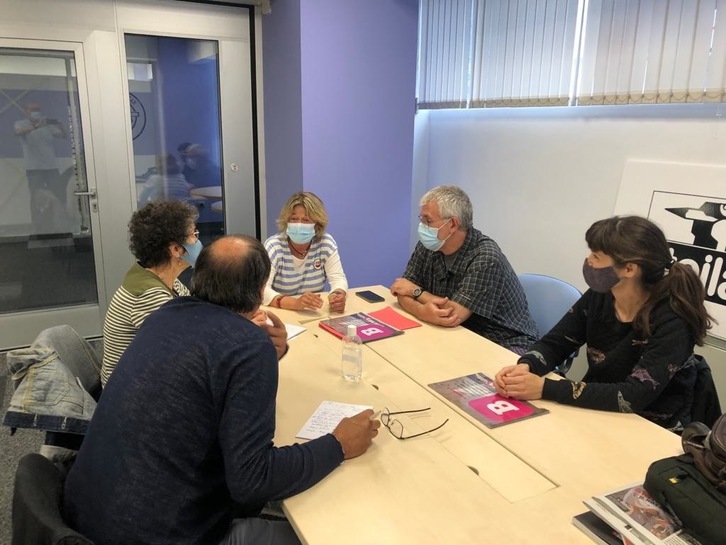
[370, 296]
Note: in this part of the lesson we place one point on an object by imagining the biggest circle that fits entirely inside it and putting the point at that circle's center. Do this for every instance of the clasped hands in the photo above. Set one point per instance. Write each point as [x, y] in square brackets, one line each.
[434, 309]
[314, 301]
[518, 382]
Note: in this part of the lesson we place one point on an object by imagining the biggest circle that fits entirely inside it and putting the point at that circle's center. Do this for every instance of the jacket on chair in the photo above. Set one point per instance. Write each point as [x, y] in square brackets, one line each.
[56, 383]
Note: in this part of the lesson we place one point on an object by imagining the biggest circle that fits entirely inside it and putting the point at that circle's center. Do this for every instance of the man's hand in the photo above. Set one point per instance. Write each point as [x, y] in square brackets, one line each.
[516, 381]
[309, 301]
[401, 286]
[260, 317]
[356, 433]
[337, 301]
[438, 311]
[277, 333]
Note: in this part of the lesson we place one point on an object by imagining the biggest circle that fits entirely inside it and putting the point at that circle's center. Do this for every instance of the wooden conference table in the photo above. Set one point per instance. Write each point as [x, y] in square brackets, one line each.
[464, 483]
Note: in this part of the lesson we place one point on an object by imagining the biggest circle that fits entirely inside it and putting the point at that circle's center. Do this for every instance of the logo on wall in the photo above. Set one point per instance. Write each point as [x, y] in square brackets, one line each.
[138, 116]
[695, 226]
[688, 202]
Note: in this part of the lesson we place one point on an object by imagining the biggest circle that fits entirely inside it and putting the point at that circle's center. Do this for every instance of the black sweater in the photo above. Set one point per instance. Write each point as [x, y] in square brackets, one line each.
[651, 376]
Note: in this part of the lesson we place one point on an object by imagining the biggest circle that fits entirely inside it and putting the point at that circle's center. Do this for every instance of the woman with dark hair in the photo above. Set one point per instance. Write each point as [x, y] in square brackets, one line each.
[640, 319]
[165, 241]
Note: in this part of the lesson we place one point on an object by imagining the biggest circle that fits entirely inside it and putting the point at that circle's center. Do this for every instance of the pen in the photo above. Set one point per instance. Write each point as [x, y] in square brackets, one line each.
[375, 415]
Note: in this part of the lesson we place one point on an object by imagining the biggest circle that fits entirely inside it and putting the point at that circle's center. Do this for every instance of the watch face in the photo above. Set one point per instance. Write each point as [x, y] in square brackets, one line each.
[417, 292]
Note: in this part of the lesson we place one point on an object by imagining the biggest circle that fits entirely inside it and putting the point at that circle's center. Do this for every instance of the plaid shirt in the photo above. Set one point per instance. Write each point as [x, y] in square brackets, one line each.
[481, 280]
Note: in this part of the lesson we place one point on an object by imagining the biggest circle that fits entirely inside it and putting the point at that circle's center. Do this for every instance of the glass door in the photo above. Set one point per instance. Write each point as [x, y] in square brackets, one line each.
[175, 118]
[190, 99]
[47, 201]
[165, 90]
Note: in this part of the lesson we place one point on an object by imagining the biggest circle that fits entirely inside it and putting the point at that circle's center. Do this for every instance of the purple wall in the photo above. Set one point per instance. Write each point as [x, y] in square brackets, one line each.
[358, 73]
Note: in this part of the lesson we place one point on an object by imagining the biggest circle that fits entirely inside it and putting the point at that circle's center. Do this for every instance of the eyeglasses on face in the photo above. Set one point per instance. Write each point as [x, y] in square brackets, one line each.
[428, 222]
[194, 234]
[395, 426]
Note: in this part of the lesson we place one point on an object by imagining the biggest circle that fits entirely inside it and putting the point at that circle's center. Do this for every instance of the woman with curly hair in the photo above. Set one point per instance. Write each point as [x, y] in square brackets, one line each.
[165, 241]
[640, 320]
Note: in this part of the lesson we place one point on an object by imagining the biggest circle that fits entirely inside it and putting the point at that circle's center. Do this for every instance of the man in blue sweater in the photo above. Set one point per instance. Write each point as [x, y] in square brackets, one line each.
[179, 450]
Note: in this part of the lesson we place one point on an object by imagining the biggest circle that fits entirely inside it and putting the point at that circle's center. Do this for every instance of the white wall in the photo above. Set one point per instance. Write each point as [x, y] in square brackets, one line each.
[539, 177]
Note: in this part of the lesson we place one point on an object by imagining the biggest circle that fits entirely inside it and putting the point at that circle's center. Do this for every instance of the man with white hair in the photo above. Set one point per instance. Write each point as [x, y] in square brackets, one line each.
[459, 276]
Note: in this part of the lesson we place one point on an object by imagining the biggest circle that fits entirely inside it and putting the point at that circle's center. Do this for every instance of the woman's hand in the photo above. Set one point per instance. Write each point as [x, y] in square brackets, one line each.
[516, 381]
[337, 301]
[309, 301]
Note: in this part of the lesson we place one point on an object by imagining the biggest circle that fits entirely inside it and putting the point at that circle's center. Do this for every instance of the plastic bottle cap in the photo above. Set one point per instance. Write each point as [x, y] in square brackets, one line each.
[352, 331]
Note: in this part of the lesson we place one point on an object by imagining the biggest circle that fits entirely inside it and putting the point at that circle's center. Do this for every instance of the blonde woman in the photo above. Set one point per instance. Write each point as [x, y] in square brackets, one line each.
[304, 258]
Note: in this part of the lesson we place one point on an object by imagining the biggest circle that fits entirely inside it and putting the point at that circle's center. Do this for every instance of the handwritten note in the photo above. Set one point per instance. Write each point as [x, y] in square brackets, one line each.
[326, 417]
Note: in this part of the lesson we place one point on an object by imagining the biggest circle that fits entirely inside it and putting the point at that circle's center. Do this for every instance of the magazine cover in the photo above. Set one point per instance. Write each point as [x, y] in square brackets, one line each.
[477, 395]
[367, 327]
[638, 517]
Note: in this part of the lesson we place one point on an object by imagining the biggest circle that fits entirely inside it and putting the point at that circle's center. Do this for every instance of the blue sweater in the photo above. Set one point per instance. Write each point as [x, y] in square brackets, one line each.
[181, 440]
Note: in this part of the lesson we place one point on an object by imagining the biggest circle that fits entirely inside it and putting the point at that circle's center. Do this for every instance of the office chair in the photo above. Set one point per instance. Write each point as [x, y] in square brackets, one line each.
[37, 505]
[548, 299]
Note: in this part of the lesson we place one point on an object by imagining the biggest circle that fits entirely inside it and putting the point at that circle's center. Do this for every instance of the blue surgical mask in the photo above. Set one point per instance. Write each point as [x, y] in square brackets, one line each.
[36, 116]
[429, 237]
[192, 252]
[301, 233]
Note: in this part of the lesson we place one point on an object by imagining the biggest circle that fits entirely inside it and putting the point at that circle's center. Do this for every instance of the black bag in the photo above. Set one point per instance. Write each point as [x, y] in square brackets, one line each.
[708, 448]
[680, 487]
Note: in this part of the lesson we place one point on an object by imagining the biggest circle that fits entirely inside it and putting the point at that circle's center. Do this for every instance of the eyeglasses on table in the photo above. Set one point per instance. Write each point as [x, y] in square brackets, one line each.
[395, 426]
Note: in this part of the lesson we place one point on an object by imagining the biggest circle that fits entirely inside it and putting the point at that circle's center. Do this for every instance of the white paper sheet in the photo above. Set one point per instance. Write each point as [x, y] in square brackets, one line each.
[326, 417]
[294, 330]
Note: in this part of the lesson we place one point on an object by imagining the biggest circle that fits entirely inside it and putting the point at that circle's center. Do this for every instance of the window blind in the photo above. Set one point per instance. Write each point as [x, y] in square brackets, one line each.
[491, 53]
[524, 52]
[444, 58]
[653, 51]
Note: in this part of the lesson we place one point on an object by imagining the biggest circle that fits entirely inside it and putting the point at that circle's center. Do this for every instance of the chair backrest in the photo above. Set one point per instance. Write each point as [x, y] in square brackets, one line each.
[37, 518]
[548, 299]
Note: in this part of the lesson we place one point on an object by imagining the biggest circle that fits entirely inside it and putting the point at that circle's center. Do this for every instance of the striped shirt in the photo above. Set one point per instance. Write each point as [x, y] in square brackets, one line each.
[293, 276]
[140, 294]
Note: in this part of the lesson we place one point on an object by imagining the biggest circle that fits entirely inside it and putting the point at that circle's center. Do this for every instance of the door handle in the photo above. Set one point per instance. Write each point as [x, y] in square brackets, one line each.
[90, 193]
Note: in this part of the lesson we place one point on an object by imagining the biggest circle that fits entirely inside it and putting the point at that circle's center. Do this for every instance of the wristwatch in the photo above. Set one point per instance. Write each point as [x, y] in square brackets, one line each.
[417, 293]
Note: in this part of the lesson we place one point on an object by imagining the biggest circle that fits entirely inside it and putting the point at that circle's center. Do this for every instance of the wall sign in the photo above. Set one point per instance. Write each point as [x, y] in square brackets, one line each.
[689, 203]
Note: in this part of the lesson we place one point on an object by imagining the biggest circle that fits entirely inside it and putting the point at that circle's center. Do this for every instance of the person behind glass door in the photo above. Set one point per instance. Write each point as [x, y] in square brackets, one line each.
[47, 187]
[199, 170]
[167, 183]
[640, 319]
[304, 257]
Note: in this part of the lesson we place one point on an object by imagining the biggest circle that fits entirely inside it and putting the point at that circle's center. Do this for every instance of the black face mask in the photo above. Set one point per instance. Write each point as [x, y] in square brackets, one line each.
[600, 280]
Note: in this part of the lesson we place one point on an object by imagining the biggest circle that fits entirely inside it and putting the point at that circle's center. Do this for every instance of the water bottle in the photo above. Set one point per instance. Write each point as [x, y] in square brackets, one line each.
[352, 364]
